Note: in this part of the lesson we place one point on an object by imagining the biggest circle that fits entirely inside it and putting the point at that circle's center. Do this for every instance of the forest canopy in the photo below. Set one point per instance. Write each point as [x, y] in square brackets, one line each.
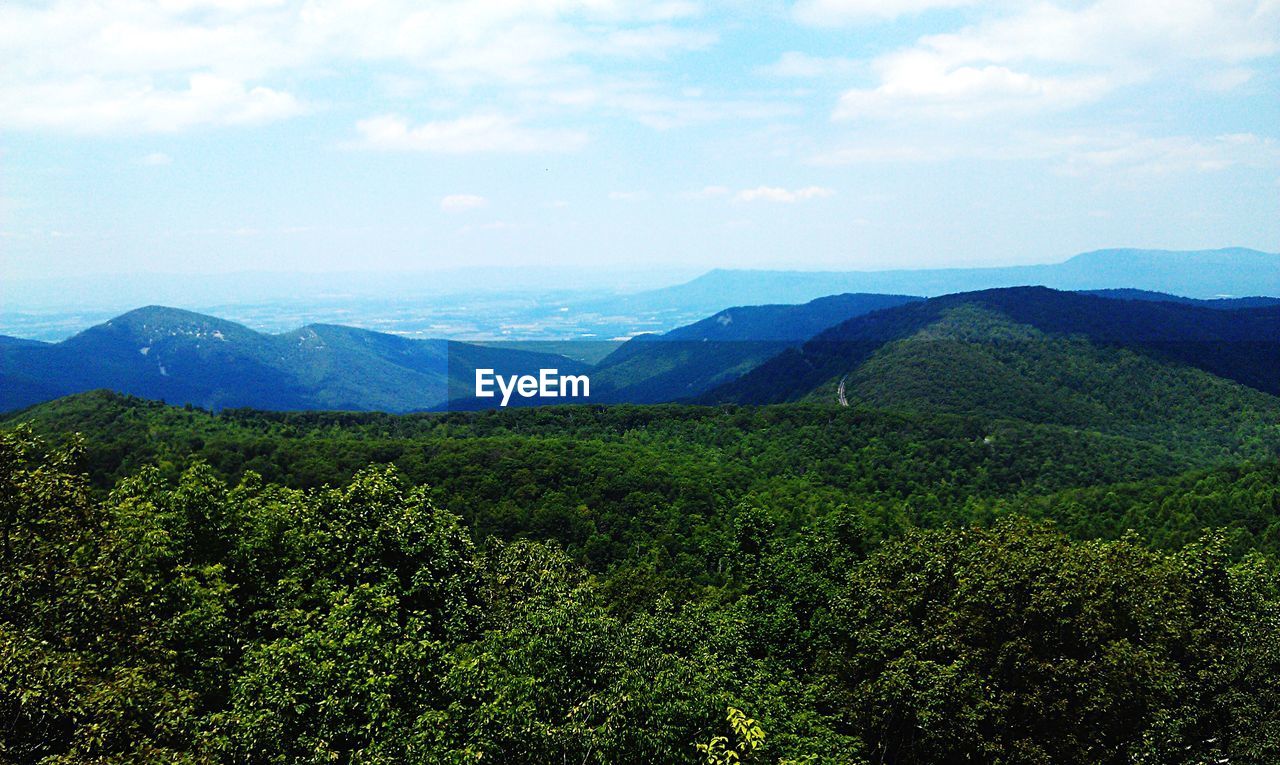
[630, 584]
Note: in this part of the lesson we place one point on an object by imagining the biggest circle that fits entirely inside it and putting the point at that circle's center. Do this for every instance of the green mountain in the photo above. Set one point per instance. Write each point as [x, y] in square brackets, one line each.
[183, 357]
[692, 359]
[1161, 371]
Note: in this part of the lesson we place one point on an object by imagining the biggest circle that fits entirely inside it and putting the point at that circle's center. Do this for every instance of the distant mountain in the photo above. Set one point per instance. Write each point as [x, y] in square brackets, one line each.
[1128, 367]
[184, 357]
[691, 359]
[1232, 272]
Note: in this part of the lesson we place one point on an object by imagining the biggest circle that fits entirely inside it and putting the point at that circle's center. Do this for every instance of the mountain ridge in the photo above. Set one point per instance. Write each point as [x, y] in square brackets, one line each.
[691, 359]
[1205, 274]
[1119, 366]
[187, 357]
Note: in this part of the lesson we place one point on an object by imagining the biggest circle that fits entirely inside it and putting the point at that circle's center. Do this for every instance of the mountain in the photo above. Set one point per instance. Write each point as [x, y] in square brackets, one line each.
[1137, 368]
[751, 354]
[694, 358]
[787, 323]
[184, 357]
[1197, 274]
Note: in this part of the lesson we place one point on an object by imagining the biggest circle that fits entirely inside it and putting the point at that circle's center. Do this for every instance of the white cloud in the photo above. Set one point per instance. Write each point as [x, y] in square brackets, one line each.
[776, 194]
[1102, 155]
[462, 202]
[1121, 32]
[838, 12]
[480, 133]
[1045, 57]
[113, 65]
[1147, 157]
[628, 196]
[157, 159]
[922, 84]
[95, 106]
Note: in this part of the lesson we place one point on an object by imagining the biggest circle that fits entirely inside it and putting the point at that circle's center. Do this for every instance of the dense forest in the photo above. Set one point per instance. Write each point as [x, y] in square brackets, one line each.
[792, 583]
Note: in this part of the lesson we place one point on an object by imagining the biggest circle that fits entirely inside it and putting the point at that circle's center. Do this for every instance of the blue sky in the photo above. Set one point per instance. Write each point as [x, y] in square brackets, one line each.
[200, 136]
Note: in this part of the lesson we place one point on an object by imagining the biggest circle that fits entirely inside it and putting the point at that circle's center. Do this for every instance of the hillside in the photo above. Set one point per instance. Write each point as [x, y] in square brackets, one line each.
[689, 360]
[1155, 370]
[623, 462]
[347, 582]
[184, 357]
[617, 584]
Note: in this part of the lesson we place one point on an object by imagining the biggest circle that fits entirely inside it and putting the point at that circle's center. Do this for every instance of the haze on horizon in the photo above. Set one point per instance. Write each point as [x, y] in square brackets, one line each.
[224, 136]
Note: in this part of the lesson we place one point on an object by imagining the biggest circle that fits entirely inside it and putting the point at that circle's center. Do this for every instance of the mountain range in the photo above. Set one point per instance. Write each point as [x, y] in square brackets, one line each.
[184, 357]
[1117, 360]
[1204, 274]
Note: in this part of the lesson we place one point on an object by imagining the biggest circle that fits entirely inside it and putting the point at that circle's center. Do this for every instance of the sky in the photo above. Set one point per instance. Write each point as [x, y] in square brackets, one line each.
[219, 136]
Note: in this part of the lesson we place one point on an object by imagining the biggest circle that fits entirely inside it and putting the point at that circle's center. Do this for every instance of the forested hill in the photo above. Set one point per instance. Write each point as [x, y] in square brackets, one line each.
[692, 359]
[184, 357]
[793, 583]
[1122, 366]
[641, 469]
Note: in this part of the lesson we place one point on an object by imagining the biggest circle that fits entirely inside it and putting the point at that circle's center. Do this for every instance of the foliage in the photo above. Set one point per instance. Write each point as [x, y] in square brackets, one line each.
[181, 619]
[746, 736]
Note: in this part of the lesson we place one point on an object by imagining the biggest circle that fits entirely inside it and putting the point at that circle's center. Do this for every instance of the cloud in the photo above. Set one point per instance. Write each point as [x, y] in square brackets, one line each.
[157, 159]
[826, 13]
[462, 202]
[628, 196]
[1045, 57]
[1102, 154]
[111, 65]
[775, 194]
[1149, 157]
[90, 106]
[922, 84]
[466, 135]
[1121, 32]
